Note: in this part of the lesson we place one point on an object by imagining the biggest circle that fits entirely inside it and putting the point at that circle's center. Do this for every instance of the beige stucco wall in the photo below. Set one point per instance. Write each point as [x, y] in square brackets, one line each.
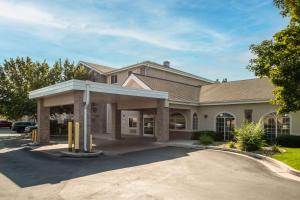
[259, 110]
[122, 75]
[125, 122]
[295, 117]
[58, 100]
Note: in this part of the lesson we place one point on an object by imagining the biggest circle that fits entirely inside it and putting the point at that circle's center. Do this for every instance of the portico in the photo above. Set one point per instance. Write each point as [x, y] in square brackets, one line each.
[91, 101]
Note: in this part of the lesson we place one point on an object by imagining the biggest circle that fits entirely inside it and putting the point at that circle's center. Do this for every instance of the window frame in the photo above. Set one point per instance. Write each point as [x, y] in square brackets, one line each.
[175, 118]
[195, 122]
[131, 121]
[114, 79]
[273, 125]
[222, 119]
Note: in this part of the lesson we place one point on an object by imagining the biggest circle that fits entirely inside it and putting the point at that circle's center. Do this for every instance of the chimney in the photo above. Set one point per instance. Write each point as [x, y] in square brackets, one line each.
[166, 63]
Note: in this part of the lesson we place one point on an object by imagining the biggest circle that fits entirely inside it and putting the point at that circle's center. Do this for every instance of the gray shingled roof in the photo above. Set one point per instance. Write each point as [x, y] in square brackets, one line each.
[177, 91]
[97, 67]
[244, 90]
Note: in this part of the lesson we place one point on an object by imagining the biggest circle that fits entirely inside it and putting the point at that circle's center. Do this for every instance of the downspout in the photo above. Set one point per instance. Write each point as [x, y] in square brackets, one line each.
[87, 102]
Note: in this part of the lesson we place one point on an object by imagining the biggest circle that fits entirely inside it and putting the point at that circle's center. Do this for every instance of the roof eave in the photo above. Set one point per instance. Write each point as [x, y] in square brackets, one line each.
[90, 67]
[233, 102]
[72, 85]
[150, 64]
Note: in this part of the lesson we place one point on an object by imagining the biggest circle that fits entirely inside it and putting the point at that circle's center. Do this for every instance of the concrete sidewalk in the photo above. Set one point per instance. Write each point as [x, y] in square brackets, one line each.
[109, 147]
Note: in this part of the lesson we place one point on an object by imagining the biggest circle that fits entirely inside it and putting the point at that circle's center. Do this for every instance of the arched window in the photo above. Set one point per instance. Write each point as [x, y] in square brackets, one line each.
[177, 121]
[195, 121]
[275, 125]
[225, 125]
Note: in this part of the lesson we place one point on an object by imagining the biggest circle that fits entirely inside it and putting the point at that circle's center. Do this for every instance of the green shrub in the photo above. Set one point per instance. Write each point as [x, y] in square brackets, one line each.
[231, 144]
[250, 136]
[206, 139]
[276, 148]
[213, 134]
[288, 141]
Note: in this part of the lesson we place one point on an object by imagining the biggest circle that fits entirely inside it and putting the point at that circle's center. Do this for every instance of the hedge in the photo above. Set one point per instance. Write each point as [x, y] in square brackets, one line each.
[213, 134]
[288, 141]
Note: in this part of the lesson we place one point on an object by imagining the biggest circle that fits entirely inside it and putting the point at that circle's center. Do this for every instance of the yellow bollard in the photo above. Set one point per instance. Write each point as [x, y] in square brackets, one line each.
[70, 134]
[91, 142]
[35, 138]
[32, 136]
[77, 137]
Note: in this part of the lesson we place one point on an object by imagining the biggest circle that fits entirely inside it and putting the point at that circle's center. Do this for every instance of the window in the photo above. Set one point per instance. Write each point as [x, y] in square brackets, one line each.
[248, 115]
[225, 125]
[143, 70]
[113, 79]
[132, 122]
[177, 121]
[195, 121]
[275, 125]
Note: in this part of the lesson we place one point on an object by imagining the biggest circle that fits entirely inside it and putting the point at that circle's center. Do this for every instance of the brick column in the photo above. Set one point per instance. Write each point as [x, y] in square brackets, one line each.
[98, 118]
[43, 118]
[115, 121]
[162, 121]
[79, 116]
[141, 123]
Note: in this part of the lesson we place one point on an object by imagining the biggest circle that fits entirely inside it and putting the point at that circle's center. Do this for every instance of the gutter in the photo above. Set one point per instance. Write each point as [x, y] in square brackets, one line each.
[87, 103]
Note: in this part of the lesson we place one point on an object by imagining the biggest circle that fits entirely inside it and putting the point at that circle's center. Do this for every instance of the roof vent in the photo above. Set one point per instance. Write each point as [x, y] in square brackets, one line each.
[166, 63]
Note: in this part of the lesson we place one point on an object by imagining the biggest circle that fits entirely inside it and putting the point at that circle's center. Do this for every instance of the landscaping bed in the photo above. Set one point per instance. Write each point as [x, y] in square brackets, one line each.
[250, 137]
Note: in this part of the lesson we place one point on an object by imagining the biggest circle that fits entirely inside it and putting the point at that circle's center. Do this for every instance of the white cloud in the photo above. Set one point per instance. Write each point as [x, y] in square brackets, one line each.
[27, 13]
[169, 32]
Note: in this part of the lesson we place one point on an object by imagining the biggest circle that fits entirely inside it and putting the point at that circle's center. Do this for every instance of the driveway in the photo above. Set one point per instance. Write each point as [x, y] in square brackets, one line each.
[163, 173]
[7, 132]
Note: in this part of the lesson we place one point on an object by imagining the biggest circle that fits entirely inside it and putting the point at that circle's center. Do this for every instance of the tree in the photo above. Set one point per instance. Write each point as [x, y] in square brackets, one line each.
[71, 71]
[21, 75]
[279, 59]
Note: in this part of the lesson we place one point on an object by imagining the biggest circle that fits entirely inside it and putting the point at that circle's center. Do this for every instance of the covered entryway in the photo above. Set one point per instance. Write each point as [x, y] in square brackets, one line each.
[97, 108]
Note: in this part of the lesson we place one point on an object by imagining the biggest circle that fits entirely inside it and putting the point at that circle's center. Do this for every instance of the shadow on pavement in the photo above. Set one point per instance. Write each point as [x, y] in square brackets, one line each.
[29, 168]
[12, 142]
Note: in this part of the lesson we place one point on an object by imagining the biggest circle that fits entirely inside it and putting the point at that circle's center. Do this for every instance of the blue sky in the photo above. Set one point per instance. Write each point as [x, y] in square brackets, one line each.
[207, 38]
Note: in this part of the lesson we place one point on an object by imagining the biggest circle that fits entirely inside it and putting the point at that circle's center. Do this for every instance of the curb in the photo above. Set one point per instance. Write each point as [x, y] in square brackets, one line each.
[81, 154]
[261, 157]
[284, 166]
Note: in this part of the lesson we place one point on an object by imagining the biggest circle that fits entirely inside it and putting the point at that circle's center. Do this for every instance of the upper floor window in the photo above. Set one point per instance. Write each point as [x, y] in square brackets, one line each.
[114, 79]
[143, 71]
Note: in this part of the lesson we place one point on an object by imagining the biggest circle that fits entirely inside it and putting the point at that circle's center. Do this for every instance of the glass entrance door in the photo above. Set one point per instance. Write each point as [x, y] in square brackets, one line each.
[149, 125]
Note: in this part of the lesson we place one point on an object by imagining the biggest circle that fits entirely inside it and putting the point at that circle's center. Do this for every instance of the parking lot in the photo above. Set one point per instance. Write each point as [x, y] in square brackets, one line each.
[6, 132]
[162, 173]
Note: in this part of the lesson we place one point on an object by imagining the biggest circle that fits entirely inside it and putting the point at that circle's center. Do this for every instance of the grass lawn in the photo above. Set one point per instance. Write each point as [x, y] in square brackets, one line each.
[291, 157]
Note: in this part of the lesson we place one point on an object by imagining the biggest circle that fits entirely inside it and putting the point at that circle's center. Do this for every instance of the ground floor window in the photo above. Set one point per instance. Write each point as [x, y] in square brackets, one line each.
[275, 125]
[225, 125]
[132, 122]
[59, 118]
[177, 121]
[195, 121]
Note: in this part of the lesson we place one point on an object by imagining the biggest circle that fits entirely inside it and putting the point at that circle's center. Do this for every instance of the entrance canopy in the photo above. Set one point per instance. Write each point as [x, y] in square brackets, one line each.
[109, 93]
[88, 97]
